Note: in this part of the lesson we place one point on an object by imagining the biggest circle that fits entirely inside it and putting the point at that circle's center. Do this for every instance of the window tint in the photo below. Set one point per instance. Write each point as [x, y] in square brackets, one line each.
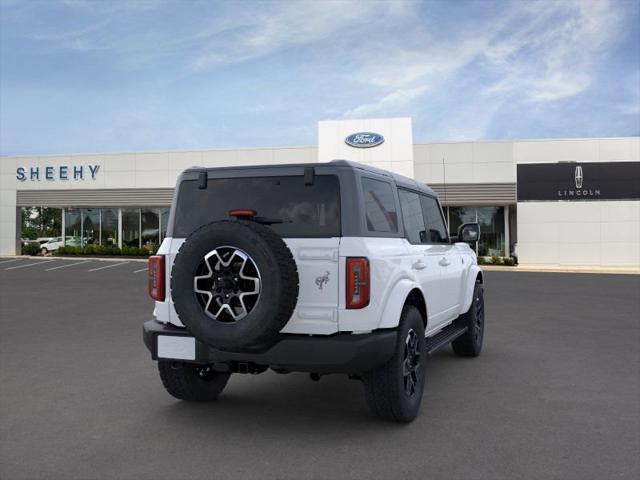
[436, 231]
[380, 206]
[305, 210]
[412, 216]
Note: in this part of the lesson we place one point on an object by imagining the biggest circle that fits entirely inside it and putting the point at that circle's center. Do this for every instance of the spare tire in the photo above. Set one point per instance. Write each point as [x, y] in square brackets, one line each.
[234, 284]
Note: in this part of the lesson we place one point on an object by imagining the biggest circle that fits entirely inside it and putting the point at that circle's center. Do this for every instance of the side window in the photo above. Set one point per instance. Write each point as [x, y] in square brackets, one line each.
[412, 216]
[436, 230]
[380, 206]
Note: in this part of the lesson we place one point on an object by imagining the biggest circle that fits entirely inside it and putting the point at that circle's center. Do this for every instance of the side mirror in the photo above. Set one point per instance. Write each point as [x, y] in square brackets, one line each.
[468, 232]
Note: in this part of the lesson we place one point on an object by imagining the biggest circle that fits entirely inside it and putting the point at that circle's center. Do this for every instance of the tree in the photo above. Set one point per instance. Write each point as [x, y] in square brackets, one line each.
[41, 222]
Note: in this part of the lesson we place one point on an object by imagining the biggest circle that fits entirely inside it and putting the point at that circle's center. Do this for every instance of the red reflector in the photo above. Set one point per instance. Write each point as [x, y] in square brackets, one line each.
[358, 287]
[156, 277]
[242, 213]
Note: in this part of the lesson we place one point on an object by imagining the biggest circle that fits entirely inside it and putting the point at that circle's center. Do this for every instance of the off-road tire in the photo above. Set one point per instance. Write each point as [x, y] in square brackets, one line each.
[279, 285]
[191, 382]
[384, 388]
[469, 344]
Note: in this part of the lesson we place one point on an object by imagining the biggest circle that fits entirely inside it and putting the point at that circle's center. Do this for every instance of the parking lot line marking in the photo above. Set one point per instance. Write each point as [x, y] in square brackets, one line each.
[65, 266]
[9, 261]
[108, 266]
[30, 264]
[141, 270]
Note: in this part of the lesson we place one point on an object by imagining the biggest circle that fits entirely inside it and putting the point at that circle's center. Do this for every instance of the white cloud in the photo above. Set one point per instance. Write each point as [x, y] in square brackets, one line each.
[534, 51]
[283, 25]
[397, 98]
[551, 55]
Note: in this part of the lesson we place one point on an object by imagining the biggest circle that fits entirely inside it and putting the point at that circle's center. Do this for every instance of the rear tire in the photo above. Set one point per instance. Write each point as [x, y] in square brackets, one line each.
[187, 381]
[394, 392]
[470, 343]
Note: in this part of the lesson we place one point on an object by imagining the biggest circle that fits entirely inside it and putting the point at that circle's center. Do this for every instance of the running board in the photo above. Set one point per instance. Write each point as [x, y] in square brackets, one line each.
[443, 338]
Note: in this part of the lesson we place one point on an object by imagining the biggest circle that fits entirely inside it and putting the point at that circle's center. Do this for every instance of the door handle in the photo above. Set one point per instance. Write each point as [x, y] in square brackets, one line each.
[419, 265]
[444, 262]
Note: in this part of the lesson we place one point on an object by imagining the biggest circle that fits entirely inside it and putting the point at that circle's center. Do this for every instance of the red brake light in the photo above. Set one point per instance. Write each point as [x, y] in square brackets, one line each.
[358, 286]
[242, 212]
[156, 277]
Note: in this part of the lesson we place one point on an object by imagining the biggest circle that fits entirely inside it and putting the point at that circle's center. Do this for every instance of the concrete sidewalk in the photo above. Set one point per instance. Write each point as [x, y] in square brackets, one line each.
[563, 269]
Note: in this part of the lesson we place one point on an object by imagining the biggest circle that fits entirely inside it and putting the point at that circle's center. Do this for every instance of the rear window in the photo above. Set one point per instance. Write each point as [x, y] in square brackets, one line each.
[306, 210]
[380, 206]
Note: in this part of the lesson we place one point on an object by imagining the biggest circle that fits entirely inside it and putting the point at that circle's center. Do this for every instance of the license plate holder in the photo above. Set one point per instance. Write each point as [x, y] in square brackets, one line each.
[176, 347]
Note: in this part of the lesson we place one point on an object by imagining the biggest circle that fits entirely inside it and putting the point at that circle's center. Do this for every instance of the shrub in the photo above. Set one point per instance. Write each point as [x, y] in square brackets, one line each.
[509, 261]
[152, 248]
[31, 249]
[496, 260]
[481, 261]
[106, 250]
[68, 250]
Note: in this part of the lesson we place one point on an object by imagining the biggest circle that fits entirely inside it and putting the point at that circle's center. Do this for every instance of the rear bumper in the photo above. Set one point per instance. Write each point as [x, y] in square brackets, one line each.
[339, 353]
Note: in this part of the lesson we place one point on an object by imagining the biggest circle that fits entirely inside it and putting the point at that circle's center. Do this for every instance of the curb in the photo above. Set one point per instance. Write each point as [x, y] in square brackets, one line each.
[561, 269]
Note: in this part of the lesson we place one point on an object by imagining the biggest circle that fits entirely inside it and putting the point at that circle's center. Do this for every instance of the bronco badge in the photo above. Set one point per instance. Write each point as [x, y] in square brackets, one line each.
[322, 280]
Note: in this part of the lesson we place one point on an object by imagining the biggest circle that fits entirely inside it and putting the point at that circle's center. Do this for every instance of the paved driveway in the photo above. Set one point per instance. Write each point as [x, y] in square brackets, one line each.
[555, 393]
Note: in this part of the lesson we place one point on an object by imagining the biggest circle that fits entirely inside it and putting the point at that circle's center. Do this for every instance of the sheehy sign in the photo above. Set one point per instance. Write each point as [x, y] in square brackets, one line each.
[61, 172]
[575, 181]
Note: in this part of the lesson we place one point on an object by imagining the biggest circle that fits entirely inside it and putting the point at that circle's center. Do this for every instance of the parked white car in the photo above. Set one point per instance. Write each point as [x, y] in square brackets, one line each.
[325, 268]
[55, 243]
[52, 245]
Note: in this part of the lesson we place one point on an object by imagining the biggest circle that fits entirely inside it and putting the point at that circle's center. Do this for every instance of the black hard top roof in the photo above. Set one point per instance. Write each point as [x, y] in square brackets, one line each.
[400, 180]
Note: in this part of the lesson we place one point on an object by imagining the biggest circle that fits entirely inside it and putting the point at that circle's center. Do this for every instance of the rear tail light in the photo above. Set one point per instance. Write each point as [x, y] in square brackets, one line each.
[156, 277]
[358, 286]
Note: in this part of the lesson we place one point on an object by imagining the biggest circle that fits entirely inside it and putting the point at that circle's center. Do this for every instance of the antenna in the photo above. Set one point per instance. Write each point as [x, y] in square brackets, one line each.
[444, 180]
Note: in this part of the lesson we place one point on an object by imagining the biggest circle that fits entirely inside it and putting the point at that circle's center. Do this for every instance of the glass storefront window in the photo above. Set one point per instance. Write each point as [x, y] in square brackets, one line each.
[164, 220]
[491, 220]
[460, 215]
[99, 226]
[109, 227]
[150, 227]
[72, 226]
[90, 226]
[131, 227]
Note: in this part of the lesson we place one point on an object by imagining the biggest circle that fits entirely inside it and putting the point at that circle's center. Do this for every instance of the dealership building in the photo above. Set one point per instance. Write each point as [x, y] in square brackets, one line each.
[558, 202]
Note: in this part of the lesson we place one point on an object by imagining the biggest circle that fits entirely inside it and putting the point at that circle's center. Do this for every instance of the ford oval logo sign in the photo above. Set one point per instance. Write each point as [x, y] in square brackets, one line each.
[364, 139]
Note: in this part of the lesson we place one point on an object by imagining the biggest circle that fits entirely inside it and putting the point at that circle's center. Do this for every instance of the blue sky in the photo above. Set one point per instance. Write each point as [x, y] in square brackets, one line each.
[100, 76]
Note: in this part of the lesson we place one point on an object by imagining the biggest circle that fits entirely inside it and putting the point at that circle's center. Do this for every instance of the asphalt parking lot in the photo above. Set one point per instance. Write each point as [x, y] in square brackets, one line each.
[555, 393]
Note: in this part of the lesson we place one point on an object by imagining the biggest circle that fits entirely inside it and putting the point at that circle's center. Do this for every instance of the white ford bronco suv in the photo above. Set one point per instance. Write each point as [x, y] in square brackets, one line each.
[325, 268]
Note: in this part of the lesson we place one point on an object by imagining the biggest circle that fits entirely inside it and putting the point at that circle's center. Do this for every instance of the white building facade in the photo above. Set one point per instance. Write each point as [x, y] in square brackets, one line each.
[560, 202]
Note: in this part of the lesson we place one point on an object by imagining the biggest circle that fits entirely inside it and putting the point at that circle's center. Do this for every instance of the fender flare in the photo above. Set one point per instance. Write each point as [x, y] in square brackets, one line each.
[396, 299]
[468, 287]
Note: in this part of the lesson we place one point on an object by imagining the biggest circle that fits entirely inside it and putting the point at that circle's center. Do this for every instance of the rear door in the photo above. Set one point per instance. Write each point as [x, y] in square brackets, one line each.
[424, 265]
[304, 212]
[448, 261]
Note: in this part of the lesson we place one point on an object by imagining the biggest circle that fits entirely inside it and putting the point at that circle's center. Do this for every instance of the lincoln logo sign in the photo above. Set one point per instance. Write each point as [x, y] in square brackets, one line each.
[578, 191]
[62, 172]
[364, 139]
[579, 177]
[585, 181]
